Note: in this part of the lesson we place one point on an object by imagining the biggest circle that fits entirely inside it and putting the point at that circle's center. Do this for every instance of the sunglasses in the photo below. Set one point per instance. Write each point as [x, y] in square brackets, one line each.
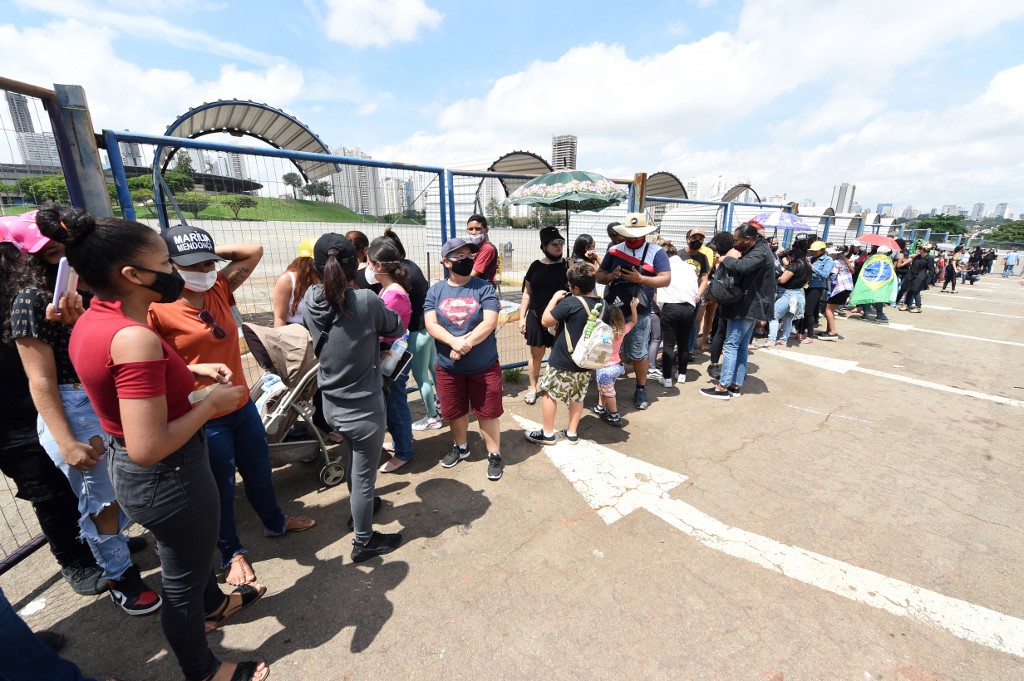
[557, 242]
[206, 317]
[463, 256]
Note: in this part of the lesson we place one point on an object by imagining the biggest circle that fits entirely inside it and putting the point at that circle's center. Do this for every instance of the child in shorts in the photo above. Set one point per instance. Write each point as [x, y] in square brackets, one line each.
[606, 407]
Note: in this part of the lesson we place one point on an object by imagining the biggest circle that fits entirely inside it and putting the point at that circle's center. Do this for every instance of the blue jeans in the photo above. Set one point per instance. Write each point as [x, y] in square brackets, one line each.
[23, 657]
[1007, 270]
[176, 500]
[238, 440]
[399, 416]
[635, 343]
[782, 313]
[734, 353]
[92, 487]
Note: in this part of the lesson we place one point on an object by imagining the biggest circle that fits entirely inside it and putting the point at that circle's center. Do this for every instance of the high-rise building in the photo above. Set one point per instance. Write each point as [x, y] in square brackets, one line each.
[977, 211]
[842, 197]
[719, 187]
[950, 209]
[999, 211]
[357, 186]
[563, 152]
[234, 166]
[131, 154]
[808, 203]
[20, 114]
[692, 188]
[36, 148]
[884, 209]
[394, 195]
[418, 183]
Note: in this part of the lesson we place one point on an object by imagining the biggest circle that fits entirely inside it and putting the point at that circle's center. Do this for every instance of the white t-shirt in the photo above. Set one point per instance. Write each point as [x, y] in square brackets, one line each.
[684, 285]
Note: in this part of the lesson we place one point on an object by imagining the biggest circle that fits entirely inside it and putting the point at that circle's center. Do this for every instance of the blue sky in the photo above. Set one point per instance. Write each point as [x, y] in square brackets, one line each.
[914, 103]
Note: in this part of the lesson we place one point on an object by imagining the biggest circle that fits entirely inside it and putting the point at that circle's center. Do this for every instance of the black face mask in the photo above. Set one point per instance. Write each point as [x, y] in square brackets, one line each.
[774, 248]
[463, 267]
[168, 285]
[694, 245]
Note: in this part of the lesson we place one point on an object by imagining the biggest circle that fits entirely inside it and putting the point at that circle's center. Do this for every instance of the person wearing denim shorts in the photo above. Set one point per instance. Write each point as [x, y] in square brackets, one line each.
[640, 263]
[139, 388]
[461, 313]
[70, 432]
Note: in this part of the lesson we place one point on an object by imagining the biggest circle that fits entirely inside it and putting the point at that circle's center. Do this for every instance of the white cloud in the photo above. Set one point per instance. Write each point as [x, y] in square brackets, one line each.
[378, 23]
[634, 113]
[123, 94]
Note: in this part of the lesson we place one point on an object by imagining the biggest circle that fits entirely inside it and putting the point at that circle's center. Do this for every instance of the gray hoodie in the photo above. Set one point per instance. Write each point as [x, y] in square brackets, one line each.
[350, 375]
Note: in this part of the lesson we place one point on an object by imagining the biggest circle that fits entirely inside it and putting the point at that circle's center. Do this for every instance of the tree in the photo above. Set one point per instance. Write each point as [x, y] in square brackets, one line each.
[1010, 231]
[943, 224]
[293, 180]
[178, 182]
[184, 165]
[236, 202]
[317, 189]
[142, 196]
[193, 202]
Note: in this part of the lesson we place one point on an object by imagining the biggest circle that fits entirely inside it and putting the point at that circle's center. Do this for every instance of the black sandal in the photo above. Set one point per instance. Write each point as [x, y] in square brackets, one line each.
[244, 671]
[250, 593]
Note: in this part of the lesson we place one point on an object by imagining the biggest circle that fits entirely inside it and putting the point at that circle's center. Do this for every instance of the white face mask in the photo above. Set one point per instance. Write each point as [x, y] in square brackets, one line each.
[371, 276]
[476, 238]
[199, 281]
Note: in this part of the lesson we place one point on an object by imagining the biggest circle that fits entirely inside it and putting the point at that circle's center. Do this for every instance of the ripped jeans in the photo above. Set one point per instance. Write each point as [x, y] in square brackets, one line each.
[92, 487]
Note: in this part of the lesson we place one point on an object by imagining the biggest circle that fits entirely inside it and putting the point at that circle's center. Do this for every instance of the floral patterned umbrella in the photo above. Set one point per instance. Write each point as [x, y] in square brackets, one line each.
[569, 189]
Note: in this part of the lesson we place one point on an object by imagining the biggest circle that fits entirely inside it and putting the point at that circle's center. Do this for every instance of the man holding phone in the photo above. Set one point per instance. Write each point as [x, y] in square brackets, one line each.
[644, 267]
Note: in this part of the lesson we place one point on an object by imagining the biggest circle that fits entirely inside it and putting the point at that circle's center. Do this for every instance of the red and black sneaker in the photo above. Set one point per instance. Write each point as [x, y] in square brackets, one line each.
[132, 594]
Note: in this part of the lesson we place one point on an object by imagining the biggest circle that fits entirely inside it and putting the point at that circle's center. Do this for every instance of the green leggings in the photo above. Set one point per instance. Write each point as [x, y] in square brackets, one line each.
[424, 356]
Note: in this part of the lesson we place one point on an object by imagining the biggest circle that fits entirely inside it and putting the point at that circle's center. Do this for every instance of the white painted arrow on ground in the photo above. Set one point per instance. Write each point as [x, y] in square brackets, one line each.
[842, 366]
[615, 485]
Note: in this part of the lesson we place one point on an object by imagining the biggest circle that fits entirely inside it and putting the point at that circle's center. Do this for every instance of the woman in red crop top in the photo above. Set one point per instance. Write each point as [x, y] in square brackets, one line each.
[140, 390]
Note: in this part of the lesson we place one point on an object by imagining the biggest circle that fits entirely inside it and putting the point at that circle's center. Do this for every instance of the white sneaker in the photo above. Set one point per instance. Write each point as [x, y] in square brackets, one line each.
[427, 423]
[654, 373]
[665, 382]
[681, 378]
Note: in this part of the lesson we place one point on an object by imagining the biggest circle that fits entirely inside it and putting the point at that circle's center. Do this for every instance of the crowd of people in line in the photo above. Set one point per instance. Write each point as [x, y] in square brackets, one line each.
[129, 399]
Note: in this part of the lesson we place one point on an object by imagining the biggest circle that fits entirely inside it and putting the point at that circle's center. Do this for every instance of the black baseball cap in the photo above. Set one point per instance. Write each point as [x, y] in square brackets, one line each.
[341, 246]
[189, 245]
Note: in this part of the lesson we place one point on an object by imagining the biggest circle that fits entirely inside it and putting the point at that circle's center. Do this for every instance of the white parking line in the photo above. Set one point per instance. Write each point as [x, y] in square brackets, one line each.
[907, 327]
[842, 366]
[960, 309]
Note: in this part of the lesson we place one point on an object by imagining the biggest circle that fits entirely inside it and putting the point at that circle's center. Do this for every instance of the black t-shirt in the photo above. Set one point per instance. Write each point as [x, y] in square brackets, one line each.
[571, 315]
[544, 281]
[697, 261]
[801, 274]
[28, 320]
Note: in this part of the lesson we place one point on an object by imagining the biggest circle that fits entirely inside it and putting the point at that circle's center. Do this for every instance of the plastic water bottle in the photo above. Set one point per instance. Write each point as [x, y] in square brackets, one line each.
[398, 348]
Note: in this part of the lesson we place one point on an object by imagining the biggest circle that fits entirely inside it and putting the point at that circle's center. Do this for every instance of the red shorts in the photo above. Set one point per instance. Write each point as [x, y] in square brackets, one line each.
[481, 391]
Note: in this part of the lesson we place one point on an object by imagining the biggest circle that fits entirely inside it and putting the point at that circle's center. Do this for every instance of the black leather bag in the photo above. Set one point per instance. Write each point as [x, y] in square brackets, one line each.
[723, 288]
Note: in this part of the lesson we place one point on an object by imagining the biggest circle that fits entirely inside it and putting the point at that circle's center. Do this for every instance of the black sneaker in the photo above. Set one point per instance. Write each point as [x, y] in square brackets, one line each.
[612, 419]
[599, 410]
[573, 439]
[828, 336]
[494, 466]
[716, 394]
[734, 391]
[640, 398]
[378, 545]
[714, 370]
[85, 578]
[132, 594]
[539, 437]
[453, 457]
[377, 504]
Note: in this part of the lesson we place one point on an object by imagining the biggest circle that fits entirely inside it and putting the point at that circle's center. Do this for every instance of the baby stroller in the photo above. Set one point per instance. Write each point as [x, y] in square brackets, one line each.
[285, 392]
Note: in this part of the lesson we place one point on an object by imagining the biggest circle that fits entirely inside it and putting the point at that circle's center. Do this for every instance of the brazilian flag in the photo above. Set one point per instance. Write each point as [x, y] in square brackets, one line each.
[876, 283]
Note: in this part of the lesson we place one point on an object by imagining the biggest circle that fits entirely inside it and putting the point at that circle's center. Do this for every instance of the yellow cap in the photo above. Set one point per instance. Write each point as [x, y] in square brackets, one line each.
[306, 248]
[818, 246]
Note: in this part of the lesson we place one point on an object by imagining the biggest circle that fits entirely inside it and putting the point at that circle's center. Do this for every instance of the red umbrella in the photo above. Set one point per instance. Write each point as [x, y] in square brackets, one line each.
[879, 240]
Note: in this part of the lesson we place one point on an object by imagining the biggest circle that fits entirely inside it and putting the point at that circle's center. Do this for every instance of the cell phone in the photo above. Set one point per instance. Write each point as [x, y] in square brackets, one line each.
[403, 362]
[67, 281]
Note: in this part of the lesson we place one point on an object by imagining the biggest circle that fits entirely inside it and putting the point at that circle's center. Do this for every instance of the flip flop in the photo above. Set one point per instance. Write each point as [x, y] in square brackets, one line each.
[249, 594]
[242, 564]
[530, 398]
[245, 671]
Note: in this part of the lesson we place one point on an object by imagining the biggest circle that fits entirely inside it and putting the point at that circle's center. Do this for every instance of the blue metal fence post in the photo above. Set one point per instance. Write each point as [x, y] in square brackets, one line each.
[927, 234]
[860, 227]
[124, 196]
[80, 157]
[450, 184]
[828, 226]
[900, 234]
[442, 208]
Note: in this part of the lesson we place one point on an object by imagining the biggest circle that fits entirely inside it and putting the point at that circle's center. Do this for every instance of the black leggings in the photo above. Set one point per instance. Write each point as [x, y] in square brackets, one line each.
[718, 340]
[950, 277]
[812, 298]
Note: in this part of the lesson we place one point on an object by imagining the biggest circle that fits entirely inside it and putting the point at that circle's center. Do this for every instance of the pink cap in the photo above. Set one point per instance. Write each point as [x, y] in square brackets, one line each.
[22, 231]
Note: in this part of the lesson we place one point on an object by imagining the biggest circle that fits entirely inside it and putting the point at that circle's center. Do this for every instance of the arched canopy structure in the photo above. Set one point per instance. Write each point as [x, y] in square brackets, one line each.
[737, 192]
[520, 163]
[246, 118]
[665, 184]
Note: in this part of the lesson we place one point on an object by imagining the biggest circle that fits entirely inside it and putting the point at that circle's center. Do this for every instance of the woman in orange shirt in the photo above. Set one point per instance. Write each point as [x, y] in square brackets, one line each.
[200, 326]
